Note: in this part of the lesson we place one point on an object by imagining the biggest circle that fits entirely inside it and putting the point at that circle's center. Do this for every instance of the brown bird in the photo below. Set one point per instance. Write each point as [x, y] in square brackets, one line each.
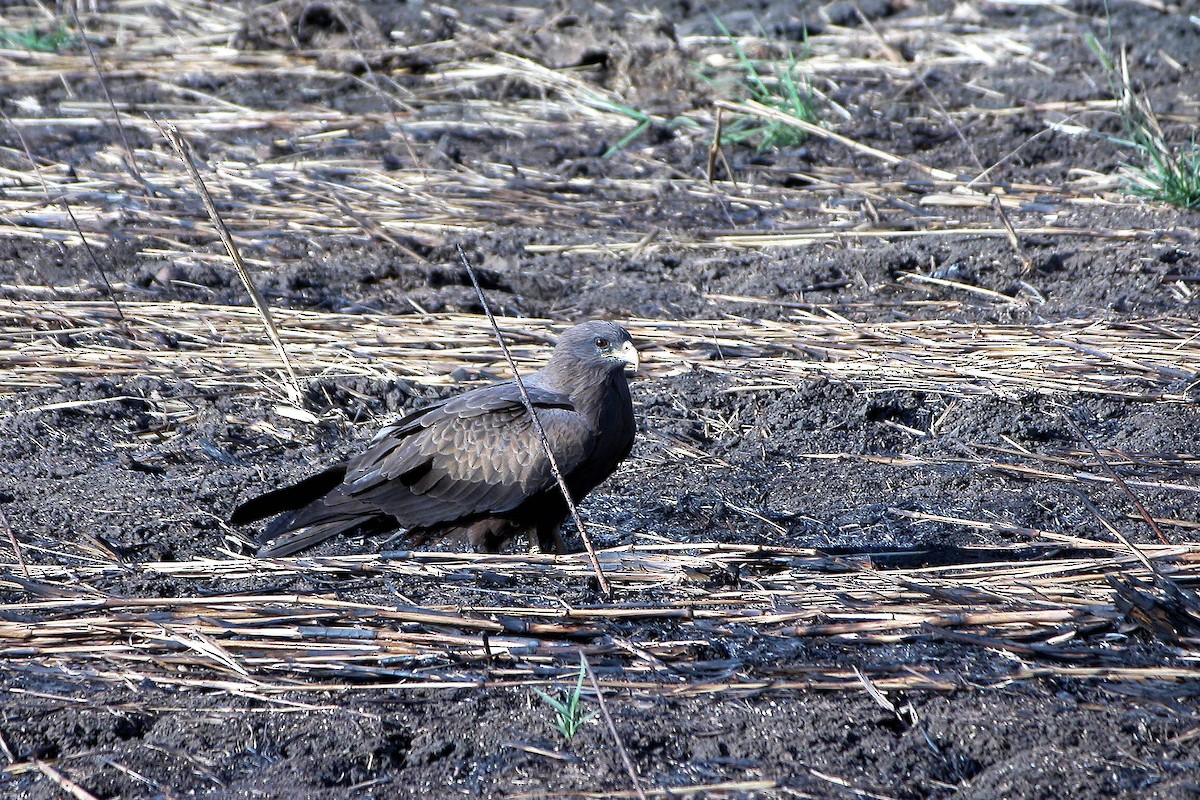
[474, 464]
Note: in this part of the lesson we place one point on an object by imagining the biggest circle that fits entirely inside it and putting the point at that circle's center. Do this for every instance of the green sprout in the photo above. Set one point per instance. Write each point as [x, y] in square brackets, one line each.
[785, 92]
[643, 122]
[568, 712]
[33, 39]
[1168, 176]
[1163, 173]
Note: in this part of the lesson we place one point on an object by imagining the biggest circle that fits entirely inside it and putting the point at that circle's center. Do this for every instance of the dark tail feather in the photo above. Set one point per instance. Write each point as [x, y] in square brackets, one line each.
[317, 511]
[289, 498]
[285, 536]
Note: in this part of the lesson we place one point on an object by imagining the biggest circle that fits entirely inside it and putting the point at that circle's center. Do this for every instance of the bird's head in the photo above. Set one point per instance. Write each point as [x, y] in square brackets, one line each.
[597, 344]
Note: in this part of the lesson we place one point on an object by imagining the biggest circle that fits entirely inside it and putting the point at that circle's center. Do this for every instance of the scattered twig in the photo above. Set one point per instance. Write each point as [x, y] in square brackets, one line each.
[714, 149]
[848, 787]
[755, 108]
[1013, 241]
[605, 589]
[1122, 538]
[12, 539]
[184, 152]
[707, 790]
[66, 784]
[163, 792]
[917, 277]
[95, 260]
[49, 201]
[1116, 478]
[630, 769]
[132, 159]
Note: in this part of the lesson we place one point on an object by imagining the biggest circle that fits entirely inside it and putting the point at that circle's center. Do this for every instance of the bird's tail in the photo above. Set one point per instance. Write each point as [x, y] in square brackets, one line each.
[298, 531]
[310, 519]
[289, 498]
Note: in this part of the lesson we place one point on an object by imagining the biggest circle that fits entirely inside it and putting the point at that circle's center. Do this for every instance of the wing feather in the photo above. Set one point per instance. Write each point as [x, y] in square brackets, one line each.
[475, 454]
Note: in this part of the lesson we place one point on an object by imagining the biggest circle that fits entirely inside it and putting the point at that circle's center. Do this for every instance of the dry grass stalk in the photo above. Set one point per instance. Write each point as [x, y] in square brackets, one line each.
[183, 150]
[67, 208]
[805, 238]
[1123, 485]
[626, 761]
[423, 200]
[605, 589]
[131, 162]
[1043, 609]
[68, 786]
[16, 545]
[220, 347]
[707, 790]
[757, 109]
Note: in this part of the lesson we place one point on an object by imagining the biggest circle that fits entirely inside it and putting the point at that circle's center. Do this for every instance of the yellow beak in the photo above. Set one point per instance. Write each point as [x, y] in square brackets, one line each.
[629, 355]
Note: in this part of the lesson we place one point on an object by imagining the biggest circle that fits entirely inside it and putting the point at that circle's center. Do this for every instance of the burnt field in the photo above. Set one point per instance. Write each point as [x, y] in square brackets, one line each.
[913, 507]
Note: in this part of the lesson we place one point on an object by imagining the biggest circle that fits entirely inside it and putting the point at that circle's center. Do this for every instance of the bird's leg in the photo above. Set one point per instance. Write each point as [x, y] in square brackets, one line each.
[489, 535]
[550, 540]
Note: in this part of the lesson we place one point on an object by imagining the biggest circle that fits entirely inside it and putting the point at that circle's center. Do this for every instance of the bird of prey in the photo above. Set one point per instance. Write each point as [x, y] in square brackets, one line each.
[474, 464]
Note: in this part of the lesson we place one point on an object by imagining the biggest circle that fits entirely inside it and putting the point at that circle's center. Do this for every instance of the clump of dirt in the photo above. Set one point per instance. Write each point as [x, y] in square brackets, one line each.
[341, 31]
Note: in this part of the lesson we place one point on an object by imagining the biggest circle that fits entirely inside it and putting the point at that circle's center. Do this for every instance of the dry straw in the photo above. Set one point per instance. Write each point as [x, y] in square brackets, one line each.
[332, 182]
[1043, 609]
[222, 347]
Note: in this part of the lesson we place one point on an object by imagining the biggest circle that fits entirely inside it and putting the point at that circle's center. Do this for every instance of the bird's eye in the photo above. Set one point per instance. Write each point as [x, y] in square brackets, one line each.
[601, 342]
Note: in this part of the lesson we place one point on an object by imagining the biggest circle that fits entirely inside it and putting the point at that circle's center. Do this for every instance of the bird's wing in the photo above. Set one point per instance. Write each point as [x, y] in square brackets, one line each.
[474, 454]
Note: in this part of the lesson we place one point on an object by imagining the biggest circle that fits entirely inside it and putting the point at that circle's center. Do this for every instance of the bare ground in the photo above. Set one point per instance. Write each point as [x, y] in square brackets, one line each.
[863, 548]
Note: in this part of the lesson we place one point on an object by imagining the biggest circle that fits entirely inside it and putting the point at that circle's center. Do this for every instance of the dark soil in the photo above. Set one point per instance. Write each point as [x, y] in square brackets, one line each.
[74, 480]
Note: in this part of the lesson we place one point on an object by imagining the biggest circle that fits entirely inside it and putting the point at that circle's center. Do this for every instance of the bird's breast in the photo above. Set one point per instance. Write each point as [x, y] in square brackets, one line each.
[614, 423]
